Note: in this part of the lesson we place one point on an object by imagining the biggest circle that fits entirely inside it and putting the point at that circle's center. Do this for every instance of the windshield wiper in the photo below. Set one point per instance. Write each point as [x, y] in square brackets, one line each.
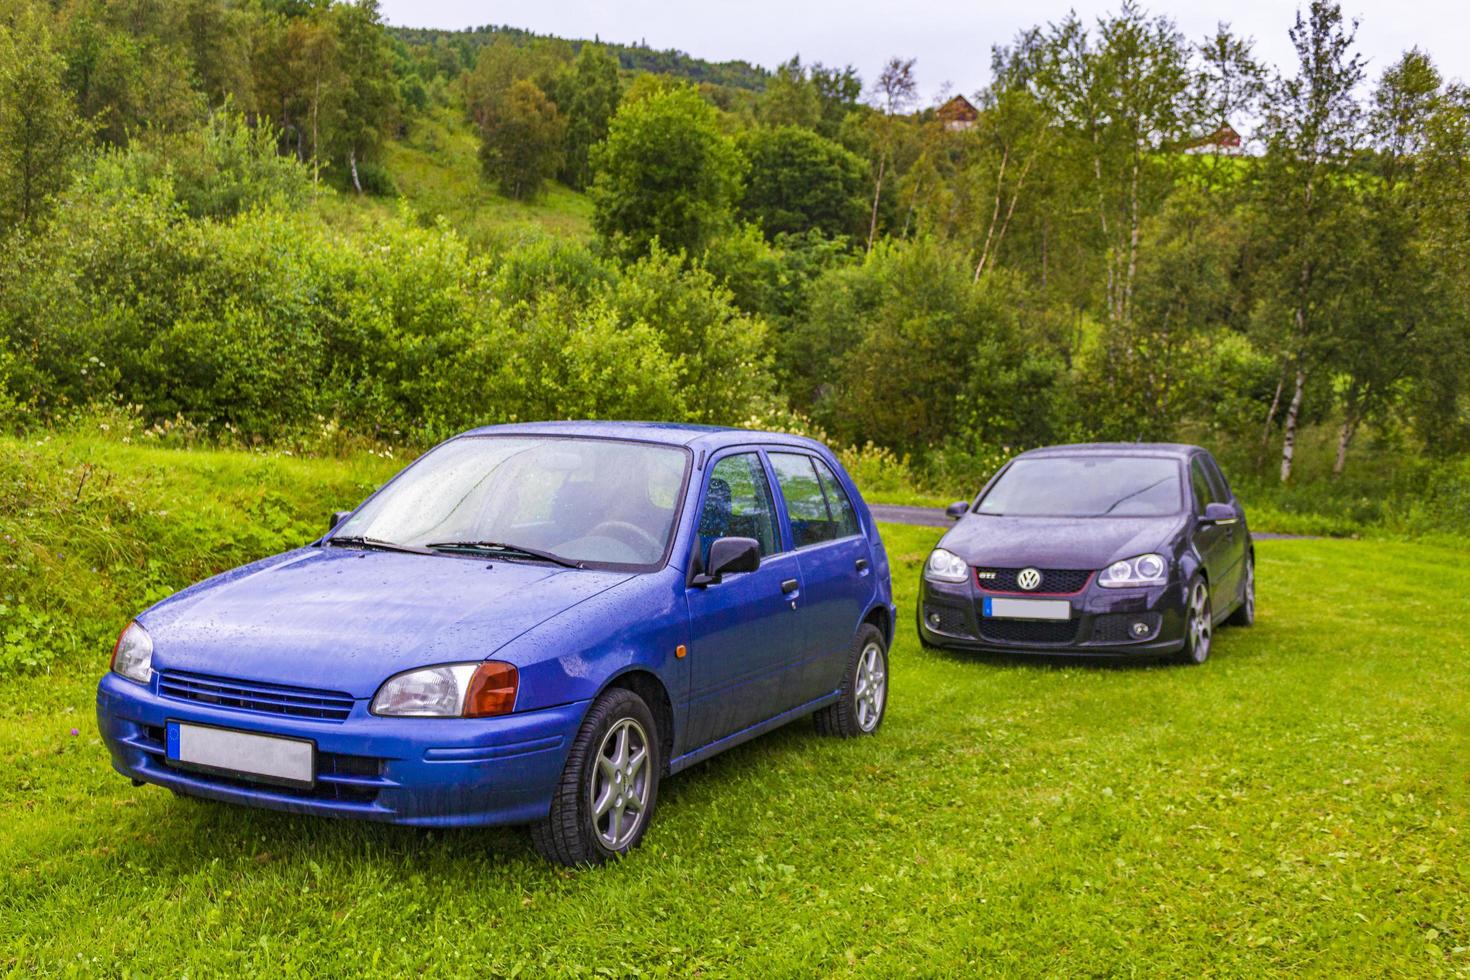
[358, 541]
[509, 550]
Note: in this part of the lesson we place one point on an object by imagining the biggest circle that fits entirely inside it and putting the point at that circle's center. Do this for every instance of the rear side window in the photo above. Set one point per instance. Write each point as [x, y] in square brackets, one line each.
[737, 504]
[815, 504]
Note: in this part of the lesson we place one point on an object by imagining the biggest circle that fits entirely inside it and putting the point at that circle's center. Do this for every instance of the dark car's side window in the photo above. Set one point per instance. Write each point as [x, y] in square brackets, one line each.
[813, 521]
[1218, 486]
[737, 504]
[1202, 492]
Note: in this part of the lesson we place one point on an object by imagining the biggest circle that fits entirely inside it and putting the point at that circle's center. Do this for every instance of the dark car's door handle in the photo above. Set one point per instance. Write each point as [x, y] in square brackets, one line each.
[789, 586]
[861, 564]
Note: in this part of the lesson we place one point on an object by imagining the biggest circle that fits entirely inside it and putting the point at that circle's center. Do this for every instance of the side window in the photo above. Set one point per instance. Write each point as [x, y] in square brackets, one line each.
[1202, 493]
[1218, 487]
[837, 502]
[813, 521]
[737, 504]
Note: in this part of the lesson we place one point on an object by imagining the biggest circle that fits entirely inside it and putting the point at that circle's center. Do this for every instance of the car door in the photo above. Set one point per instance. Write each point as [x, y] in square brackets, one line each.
[1214, 542]
[835, 560]
[1235, 535]
[744, 631]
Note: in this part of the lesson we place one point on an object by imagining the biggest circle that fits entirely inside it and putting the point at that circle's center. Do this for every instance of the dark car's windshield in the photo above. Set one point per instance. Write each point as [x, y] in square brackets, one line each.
[1086, 486]
[579, 500]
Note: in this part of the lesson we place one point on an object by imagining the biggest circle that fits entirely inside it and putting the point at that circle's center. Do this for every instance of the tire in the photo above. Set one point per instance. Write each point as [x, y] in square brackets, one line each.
[1245, 613]
[604, 768]
[1199, 623]
[863, 700]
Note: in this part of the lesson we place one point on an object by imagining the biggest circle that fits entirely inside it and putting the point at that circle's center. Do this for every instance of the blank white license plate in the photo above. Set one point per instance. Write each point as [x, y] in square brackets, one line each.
[268, 758]
[998, 608]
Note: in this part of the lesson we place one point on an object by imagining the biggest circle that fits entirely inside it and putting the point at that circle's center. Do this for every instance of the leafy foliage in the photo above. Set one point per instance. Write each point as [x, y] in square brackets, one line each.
[667, 174]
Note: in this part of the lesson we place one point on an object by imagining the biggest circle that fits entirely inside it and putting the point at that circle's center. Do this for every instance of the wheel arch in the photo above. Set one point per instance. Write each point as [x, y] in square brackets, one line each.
[880, 617]
[648, 686]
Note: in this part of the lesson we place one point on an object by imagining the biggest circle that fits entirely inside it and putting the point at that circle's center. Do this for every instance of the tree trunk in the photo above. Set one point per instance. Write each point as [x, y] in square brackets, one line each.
[877, 193]
[1293, 411]
[352, 164]
[1125, 303]
[1352, 415]
[1270, 417]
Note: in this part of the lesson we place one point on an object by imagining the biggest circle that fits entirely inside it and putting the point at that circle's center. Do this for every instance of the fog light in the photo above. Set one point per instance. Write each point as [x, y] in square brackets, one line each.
[934, 619]
[1140, 628]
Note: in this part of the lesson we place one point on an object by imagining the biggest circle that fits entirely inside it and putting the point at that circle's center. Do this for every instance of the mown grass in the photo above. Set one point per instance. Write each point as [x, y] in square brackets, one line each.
[1299, 804]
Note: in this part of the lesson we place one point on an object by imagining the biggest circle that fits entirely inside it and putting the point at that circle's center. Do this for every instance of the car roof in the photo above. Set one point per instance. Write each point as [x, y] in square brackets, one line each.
[703, 437]
[1177, 450]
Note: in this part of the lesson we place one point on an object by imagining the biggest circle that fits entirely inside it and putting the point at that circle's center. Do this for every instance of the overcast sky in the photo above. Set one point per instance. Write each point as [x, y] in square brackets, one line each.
[951, 39]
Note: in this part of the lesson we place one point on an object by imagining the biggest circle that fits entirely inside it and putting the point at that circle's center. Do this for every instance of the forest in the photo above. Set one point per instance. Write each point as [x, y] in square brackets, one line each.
[284, 224]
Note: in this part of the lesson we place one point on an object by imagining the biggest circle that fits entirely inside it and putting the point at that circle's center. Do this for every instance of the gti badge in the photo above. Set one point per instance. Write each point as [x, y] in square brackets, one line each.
[985, 575]
[1028, 578]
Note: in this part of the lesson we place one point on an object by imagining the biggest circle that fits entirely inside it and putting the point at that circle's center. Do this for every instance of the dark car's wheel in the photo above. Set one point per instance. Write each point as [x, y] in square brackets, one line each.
[1245, 613]
[860, 707]
[605, 800]
[1199, 623]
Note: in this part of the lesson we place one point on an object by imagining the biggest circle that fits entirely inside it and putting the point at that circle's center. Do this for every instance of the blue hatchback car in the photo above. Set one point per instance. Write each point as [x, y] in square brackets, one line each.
[530, 624]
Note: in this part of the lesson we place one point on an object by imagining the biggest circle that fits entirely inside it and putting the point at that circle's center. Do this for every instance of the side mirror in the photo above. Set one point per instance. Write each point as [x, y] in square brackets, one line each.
[1219, 514]
[957, 510]
[338, 516]
[729, 555]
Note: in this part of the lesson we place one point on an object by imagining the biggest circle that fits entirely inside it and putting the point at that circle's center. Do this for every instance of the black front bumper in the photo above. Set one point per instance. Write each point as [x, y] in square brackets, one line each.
[1104, 622]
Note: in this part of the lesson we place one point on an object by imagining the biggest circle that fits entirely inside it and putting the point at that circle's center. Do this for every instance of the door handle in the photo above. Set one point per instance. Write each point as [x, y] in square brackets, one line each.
[861, 564]
[790, 585]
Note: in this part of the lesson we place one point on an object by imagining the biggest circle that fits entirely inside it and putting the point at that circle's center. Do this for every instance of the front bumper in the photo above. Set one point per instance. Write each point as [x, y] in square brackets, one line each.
[430, 772]
[1102, 624]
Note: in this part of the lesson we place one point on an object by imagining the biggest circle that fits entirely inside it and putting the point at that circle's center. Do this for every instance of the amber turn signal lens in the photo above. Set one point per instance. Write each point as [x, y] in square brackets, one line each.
[492, 690]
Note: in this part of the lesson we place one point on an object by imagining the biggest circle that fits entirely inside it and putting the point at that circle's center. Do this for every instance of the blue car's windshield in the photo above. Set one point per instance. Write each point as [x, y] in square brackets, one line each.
[579, 500]
[1086, 486]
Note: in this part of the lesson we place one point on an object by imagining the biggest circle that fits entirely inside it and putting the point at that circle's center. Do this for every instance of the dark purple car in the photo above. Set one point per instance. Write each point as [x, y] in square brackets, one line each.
[1099, 549]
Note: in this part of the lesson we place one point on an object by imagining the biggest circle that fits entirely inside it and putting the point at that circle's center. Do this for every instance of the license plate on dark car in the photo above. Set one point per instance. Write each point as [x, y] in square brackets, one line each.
[1000, 608]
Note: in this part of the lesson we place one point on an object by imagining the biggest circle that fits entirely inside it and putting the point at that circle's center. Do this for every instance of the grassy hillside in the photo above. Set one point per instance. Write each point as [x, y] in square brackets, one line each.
[435, 169]
[1298, 804]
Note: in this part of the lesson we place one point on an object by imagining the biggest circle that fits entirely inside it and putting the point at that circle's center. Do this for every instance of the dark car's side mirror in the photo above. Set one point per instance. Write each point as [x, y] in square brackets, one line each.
[1219, 514]
[729, 555]
[338, 516]
[957, 510]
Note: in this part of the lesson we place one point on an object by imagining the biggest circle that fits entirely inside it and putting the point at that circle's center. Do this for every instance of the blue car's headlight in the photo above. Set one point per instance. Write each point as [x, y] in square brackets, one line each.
[475, 690]
[1134, 572]
[132, 657]
[945, 566]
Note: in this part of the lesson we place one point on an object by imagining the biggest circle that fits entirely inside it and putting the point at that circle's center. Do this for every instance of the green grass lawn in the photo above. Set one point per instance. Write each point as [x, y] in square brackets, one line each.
[1298, 804]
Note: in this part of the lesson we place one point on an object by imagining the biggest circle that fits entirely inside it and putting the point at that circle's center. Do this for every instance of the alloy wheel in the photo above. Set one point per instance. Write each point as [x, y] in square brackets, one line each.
[871, 690]
[620, 784]
[1201, 627]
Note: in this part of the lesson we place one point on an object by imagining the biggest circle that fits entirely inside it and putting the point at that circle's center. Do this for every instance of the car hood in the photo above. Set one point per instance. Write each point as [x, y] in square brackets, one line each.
[345, 619]
[1051, 542]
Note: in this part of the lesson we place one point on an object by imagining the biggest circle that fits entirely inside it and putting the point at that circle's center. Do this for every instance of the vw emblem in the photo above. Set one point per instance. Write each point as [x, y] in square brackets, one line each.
[1028, 578]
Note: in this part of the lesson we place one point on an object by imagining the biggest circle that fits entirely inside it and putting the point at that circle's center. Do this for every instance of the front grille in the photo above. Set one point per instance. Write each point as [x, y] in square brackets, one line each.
[1054, 581]
[1028, 631]
[1118, 627]
[273, 699]
[946, 619]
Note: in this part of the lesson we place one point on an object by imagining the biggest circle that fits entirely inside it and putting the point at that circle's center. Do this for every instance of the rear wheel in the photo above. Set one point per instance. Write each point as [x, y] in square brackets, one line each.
[1199, 624]
[605, 800]
[863, 700]
[1245, 613]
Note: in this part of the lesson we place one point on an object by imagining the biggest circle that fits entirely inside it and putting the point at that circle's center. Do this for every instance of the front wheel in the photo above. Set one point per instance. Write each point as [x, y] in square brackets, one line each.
[863, 699]
[1245, 613]
[1199, 623]
[604, 802]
